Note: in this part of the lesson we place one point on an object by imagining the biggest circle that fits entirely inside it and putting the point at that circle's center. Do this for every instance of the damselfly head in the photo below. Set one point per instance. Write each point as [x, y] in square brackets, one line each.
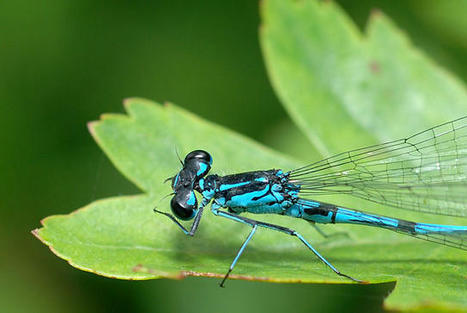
[196, 165]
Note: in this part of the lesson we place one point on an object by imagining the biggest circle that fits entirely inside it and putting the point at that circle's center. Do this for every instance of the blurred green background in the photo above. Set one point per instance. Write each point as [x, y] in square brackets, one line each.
[63, 63]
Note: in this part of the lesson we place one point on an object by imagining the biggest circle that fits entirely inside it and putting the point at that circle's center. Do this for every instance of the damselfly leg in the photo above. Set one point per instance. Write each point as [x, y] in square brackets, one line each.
[255, 223]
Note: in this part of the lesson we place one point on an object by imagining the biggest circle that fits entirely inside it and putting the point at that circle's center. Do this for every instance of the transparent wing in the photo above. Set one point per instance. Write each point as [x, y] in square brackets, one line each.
[426, 172]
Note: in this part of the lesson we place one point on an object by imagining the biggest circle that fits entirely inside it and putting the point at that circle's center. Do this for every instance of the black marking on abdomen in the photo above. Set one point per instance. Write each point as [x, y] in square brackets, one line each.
[316, 211]
[406, 226]
[333, 216]
[323, 210]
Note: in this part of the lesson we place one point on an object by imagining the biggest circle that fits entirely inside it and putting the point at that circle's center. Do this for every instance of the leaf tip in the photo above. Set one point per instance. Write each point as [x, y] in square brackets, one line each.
[127, 103]
[167, 104]
[127, 100]
[91, 128]
[375, 12]
[35, 233]
[376, 15]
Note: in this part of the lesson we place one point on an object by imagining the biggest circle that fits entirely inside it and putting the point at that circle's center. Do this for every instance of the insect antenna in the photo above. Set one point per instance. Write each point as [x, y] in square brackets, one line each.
[178, 156]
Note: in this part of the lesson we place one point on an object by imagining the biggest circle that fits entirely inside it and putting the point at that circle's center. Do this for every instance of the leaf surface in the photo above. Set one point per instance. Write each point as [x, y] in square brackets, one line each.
[122, 238]
[344, 90]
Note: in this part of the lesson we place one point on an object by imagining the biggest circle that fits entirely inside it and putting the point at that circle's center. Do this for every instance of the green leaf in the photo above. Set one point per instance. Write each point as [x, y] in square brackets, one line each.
[122, 238]
[345, 89]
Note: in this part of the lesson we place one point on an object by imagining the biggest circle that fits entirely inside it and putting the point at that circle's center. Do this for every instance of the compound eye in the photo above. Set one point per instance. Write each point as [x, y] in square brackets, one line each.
[200, 155]
[184, 205]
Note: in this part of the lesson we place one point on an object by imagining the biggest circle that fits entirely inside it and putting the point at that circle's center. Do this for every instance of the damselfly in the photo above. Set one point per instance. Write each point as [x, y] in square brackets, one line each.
[426, 172]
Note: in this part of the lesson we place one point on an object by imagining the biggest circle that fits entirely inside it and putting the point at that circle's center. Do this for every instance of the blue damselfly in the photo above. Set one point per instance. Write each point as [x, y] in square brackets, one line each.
[426, 172]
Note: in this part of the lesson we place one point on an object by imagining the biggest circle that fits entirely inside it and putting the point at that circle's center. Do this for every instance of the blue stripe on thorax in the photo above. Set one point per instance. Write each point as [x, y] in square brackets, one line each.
[252, 198]
[224, 187]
